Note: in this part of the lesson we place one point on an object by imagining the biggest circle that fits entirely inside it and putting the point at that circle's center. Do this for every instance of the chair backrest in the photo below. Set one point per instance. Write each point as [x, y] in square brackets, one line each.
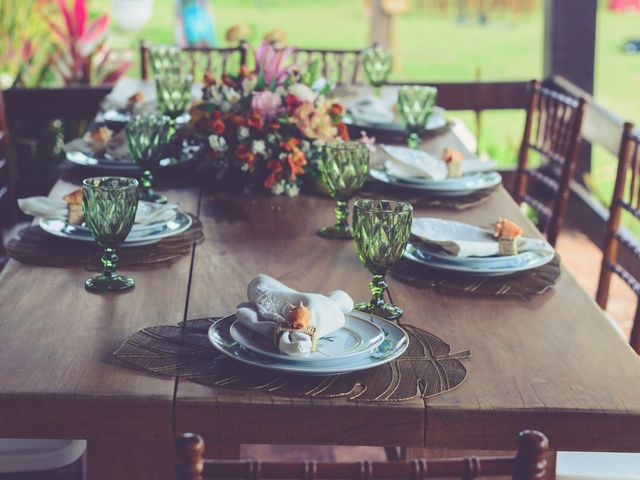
[5, 179]
[626, 198]
[528, 463]
[200, 60]
[552, 131]
[344, 67]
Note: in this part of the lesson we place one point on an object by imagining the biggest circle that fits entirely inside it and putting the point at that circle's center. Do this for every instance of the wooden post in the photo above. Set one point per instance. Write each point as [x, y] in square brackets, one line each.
[569, 51]
[380, 31]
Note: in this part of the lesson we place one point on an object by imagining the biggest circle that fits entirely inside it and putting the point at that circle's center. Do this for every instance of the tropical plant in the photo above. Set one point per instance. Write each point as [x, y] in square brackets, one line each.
[81, 55]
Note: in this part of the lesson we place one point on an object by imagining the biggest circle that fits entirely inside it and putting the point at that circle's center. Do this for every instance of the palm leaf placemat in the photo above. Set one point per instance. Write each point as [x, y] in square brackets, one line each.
[426, 369]
[37, 247]
[523, 284]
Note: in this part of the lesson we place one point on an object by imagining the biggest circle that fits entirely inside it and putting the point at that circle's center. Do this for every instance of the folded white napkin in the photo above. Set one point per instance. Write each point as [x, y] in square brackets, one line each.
[462, 240]
[116, 147]
[408, 163]
[270, 301]
[371, 110]
[56, 209]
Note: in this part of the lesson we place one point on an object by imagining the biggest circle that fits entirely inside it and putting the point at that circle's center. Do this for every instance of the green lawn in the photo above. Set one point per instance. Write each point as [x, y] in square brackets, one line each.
[432, 46]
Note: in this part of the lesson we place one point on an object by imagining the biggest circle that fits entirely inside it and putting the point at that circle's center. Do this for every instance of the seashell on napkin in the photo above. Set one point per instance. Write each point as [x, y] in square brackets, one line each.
[270, 301]
[462, 240]
[116, 147]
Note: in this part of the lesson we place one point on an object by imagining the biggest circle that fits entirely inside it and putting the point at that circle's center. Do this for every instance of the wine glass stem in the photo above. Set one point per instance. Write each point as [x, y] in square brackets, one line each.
[109, 262]
[414, 140]
[377, 286]
[377, 91]
[146, 182]
[342, 214]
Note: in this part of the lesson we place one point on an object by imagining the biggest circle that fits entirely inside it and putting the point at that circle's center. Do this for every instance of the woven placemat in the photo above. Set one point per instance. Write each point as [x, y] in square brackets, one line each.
[37, 247]
[377, 189]
[521, 284]
[426, 369]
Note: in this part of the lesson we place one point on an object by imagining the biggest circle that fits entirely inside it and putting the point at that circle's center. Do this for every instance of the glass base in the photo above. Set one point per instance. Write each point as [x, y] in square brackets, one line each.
[153, 197]
[103, 283]
[344, 233]
[387, 311]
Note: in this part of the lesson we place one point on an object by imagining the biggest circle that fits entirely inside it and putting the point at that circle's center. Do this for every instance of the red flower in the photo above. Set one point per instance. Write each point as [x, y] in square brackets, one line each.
[292, 103]
[237, 120]
[275, 175]
[218, 127]
[254, 120]
[245, 155]
[217, 115]
[296, 161]
[208, 79]
[343, 133]
[290, 144]
[274, 126]
[336, 109]
[227, 80]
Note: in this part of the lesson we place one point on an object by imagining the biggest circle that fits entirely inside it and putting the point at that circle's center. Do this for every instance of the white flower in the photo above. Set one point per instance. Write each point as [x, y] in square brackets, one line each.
[278, 188]
[292, 189]
[302, 92]
[231, 95]
[243, 132]
[217, 143]
[246, 167]
[249, 84]
[258, 147]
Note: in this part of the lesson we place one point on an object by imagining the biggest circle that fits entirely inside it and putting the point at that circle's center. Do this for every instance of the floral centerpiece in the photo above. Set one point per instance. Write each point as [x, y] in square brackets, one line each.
[265, 128]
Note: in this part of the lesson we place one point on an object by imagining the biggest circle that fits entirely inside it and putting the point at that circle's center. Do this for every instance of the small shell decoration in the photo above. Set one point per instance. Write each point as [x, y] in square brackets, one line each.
[298, 317]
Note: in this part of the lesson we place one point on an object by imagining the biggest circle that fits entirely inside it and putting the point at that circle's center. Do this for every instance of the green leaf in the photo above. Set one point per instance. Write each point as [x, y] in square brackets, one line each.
[273, 84]
[260, 83]
[314, 71]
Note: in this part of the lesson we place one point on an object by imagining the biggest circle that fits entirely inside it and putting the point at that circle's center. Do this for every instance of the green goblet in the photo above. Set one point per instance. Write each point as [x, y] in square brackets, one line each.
[109, 205]
[165, 58]
[174, 93]
[377, 63]
[381, 230]
[415, 105]
[343, 168]
[147, 135]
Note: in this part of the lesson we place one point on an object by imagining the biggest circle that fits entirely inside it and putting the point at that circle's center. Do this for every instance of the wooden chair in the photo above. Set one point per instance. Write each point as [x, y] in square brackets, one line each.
[5, 182]
[201, 59]
[552, 132]
[344, 67]
[626, 198]
[527, 464]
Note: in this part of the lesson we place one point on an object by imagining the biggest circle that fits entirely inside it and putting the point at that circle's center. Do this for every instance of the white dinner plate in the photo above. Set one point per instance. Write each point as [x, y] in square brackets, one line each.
[523, 262]
[359, 117]
[450, 187]
[394, 344]
[147, 209]
[358, 337]
[179, 224]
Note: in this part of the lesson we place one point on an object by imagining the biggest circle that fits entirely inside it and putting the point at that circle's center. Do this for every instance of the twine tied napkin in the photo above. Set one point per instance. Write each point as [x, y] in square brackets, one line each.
[462, 240]
[271, 300]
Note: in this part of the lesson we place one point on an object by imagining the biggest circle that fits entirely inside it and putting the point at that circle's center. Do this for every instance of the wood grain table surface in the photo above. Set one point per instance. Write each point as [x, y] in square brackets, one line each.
[552, 362]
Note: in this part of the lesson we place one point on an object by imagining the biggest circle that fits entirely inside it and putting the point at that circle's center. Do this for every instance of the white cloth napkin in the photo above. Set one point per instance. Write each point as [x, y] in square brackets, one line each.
[408, 163]
[56, 209]
[371, 110]
[116, 147]
[270, 301]
[462, 240]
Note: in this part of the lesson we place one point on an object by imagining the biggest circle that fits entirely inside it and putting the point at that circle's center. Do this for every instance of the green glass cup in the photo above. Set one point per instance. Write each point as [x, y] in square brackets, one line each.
[173, 92]
[109, 205]
[416, 104]
[343, 169]
[165, 58]
[147, 136]
[377, 63]
[381, 230]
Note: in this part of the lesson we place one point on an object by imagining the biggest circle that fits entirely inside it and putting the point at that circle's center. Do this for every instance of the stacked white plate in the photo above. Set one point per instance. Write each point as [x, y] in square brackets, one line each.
[366, 341]
[433, 241]
[418, 170]
[141, 234]
[378, 113]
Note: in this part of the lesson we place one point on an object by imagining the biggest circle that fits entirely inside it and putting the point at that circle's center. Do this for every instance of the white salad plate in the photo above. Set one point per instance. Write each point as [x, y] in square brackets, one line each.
[450, 187]
[145, 209]
[380, 114]
[394, 344]
[358, 337]
[179, 224]
[487, 267]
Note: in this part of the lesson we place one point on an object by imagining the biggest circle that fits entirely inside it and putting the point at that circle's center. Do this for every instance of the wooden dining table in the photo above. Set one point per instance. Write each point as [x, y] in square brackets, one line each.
[551, 362]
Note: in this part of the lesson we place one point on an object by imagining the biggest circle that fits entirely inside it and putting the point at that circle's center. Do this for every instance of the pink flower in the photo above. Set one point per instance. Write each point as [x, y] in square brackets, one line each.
[266, 103]
[271, 62]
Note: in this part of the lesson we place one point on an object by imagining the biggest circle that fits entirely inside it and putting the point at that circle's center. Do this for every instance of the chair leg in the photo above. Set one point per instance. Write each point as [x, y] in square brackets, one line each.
[395, 453]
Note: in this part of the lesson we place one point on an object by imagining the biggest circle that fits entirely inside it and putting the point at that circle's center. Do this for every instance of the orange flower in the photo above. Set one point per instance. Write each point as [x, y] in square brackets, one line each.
[336, 109]
[275, 175]
[227, 80]
[343, 133]
[255, 120]
[237, 120]
[290, 144]
[208, 79]
[245, 155]
[296, 161]
[218, 127]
